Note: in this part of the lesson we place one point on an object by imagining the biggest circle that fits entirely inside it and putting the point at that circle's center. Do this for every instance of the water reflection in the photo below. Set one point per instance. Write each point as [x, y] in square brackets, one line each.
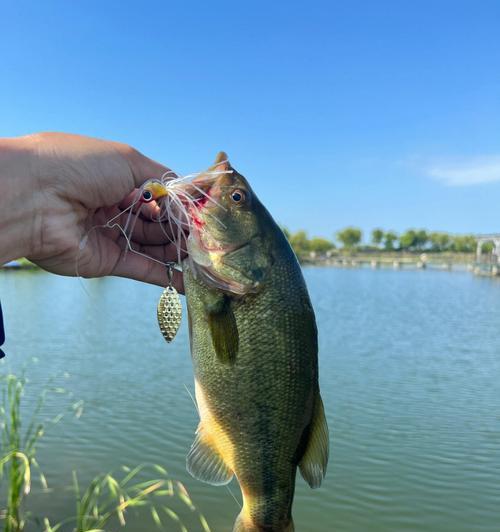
[410, 376]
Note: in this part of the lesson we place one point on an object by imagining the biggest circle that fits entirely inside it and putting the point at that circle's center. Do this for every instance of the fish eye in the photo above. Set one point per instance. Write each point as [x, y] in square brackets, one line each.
[238, 196]
[147, 195]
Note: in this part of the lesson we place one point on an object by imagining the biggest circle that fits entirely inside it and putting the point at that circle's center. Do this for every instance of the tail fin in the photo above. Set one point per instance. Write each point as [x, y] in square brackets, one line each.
[244, 524]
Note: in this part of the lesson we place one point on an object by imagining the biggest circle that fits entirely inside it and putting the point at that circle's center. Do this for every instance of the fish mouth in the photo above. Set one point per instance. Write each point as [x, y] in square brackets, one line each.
[199, 192]
[202, 202]
[195, 209]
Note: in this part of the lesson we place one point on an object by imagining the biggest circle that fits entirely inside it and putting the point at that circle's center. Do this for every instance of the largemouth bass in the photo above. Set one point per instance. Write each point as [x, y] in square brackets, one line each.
[254, 349]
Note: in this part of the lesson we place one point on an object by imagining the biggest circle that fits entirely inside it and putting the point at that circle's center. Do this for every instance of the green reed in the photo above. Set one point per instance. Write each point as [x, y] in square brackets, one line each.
[105, 501]
[18, 450]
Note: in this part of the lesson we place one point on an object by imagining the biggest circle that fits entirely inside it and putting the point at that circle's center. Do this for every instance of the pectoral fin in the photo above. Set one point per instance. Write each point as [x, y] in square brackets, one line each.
[224, 333]
[205, 463]
[315, 459]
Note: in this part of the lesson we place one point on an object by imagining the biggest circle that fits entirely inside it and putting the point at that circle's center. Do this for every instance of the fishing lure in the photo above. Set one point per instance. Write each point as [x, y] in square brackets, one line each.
[169, 311]
[177, 199]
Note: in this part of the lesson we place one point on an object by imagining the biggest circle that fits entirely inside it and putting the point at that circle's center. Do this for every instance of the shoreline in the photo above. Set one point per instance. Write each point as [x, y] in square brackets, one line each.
[395, 261]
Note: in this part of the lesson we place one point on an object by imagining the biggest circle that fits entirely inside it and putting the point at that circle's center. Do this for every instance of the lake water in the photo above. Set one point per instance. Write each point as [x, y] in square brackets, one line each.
[410, 378]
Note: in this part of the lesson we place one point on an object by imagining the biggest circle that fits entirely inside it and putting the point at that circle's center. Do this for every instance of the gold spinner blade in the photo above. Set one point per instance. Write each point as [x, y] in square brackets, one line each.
[169, 313]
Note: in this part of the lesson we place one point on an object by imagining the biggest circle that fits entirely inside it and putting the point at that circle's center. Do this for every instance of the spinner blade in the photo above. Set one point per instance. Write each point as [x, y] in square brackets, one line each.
[169, 313]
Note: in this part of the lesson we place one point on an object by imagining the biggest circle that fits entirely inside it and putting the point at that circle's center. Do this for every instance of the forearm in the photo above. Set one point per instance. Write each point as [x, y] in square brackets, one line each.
[18, 213]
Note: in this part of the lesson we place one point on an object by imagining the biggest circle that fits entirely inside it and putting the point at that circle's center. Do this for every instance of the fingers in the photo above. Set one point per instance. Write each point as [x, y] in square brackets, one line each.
[139, 268]
[151, 210]
[144, 168]
[144, 231]
[150, 242]
[152, 265]
[163, 253]
[130, 199]
[142, 223]
[153, 233]
[105, 254]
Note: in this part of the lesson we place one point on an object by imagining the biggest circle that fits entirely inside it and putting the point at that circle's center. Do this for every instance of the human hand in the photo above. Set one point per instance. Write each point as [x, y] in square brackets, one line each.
[76, 183]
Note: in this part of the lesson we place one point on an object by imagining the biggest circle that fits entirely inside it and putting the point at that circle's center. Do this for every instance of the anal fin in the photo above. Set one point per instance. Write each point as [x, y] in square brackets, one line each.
[315, 458]
[205, 463]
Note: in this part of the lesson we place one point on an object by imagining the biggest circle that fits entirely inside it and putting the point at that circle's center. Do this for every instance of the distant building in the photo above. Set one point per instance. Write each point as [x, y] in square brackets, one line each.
[485, 239]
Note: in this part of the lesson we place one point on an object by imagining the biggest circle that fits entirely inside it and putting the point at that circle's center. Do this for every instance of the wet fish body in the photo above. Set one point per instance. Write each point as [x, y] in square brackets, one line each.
[254, 353]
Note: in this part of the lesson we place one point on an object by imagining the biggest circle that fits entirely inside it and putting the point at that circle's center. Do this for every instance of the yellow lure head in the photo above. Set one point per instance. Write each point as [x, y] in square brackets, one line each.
[153, 190]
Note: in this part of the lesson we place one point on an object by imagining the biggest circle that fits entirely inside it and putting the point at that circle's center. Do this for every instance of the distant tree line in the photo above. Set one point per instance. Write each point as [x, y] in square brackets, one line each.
[413, 240]
[302, 245]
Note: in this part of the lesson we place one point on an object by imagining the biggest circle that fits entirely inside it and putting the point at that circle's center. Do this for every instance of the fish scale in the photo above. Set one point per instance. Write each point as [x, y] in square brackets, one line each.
[257, 411]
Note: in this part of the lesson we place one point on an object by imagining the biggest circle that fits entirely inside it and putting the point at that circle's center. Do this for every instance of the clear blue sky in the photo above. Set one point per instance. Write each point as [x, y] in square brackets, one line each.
[369, 113]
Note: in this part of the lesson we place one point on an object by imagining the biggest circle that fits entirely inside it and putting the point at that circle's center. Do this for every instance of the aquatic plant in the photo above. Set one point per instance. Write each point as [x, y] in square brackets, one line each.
[108, 497]
[103, 502]
[18, 446]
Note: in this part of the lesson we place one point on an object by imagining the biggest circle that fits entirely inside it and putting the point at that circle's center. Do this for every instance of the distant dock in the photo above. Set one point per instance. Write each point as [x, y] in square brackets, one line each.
[395, 263]
[488, 266]
[486, 270]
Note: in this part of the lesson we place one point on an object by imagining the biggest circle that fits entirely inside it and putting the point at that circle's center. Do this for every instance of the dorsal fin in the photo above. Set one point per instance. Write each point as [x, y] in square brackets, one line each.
[221, 163]
[221, 158]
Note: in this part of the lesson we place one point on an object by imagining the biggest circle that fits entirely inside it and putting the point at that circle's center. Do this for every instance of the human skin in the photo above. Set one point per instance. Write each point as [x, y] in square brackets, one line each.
[55, 187]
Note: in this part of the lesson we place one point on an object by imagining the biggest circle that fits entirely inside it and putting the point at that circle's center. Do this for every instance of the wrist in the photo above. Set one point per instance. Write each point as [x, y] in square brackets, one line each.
[18, 198]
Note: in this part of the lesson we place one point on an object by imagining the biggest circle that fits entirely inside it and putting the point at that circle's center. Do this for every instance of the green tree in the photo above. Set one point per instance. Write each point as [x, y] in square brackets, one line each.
[421, 239]
[320, 245]
[487, 247]
[299, 243]
[413, 239]
[408, 239]
[350, 237]
[440, 241]
[389, 238]
[464, 244]
[377, 236]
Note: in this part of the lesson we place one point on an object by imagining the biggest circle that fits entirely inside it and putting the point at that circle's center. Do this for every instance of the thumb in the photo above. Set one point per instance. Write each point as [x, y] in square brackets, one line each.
[144, 168]
[139, 268]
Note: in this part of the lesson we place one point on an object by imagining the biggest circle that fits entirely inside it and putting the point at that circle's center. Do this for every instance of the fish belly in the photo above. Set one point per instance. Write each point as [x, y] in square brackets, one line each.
[254, 411]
